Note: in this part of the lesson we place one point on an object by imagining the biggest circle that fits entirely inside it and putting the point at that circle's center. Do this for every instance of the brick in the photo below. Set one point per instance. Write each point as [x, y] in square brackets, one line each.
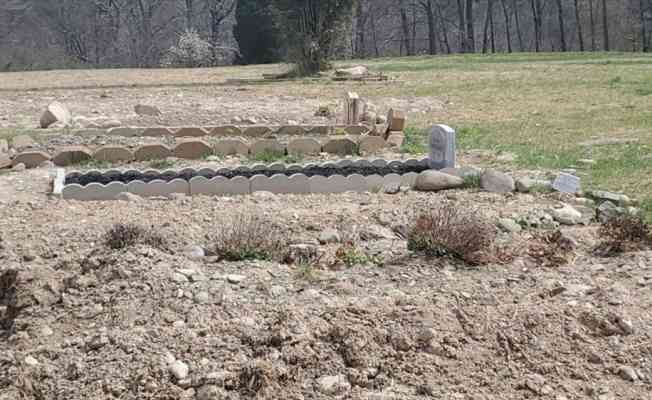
[157, 131]
[155, 151]
[257, 131]
[113, 154]
[371, 144]
[229, 147]
[225, 131]
[192, 149]
[190, 132]
[21, 142]
[304, 146]
[267, 145]
[396, 120]
[72, 155]
[341, 146]
[31, 159]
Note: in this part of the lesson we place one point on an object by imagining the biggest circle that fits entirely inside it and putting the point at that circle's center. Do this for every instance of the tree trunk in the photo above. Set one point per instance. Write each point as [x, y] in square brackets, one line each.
[537, 27]
[406, 29]
[485, 31]
[360, 31]
[578, 18]
[605, 25]
[190, 15]
[518, 27]
[432, 27]
[562, 31]
[444, 29]
[508, 35]
[644, 44]
[492, 26]
[462, 25]
[592, 25]
[470, 32]
[374, 33]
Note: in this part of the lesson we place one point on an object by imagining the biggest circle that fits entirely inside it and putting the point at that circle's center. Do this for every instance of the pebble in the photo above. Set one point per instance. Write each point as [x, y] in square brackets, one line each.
[627, 373]
[194, 252]
[31, 361]
[202, 297]
[179, 370]
[235, 279]
[333, 385]
[329, 236]
[625, 325]
[179, 278]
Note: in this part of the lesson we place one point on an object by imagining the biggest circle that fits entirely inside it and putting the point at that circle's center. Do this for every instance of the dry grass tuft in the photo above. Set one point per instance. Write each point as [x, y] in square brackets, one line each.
[623, 234]
[249, 237]
[551, 249]
[449, 231]
[121, 236]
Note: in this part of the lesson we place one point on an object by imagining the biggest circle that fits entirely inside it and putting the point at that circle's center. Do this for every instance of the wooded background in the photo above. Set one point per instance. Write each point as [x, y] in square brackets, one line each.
[42, 34]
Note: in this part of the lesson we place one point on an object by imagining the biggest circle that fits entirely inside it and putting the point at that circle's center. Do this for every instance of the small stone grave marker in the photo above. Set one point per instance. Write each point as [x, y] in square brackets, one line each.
[567, 183]
[442, 147]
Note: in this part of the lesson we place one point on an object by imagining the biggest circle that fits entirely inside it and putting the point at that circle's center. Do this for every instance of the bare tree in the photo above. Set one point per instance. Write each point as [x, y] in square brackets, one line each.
[592, 24]
[562, 31]
[578, 20]
[470, 31]
[605, 25]
[508, 35]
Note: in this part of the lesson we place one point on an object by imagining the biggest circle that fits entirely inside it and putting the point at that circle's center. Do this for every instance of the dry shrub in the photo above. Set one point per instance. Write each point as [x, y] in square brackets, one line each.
[447, 230]
[249, 237]
[623, 234]
[551, 249]
[121, 236]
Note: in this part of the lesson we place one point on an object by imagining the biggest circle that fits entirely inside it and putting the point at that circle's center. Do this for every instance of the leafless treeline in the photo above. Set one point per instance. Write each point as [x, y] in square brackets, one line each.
[89, 33]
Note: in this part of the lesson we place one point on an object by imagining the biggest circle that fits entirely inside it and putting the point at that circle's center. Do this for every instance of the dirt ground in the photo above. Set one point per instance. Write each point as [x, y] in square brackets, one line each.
[82, 321]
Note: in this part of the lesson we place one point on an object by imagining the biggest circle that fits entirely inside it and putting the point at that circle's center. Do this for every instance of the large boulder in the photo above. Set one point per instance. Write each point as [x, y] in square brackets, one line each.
[432, 181]
[56, 112]
[497, 182]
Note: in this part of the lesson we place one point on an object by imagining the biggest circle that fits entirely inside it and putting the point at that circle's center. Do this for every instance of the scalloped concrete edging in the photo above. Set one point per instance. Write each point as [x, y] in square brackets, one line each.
[284, 182]
[251, 131]
[196, 149]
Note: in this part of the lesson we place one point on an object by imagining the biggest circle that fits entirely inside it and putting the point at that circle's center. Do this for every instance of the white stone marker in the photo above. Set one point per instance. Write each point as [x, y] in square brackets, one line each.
[442, 147]
[567, 183]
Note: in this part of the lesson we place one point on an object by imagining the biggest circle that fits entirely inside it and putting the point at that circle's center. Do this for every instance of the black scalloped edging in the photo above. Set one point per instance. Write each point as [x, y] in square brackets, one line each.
[326, 171]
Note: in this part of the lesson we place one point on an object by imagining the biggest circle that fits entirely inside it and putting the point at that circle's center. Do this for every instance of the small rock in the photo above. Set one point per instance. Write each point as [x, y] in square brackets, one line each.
[20, 167]
[625, 325]
[627, 373]
[329, 236]
[497, 182]
[31, 361]
[179, 370]
[509, 225]
[202, 297]
[567, 215]
[235, 279]
[302, 253]
[616, 198]
[146, 110]
[46, 164]
[211, 392]
[392, 188]
[46, 331]
[432, 180]
[55, 112]
[333, 385]
[250, 120]
[608, 210]
[527, 185]
[129, 197]
[194, 252]
[178, 278]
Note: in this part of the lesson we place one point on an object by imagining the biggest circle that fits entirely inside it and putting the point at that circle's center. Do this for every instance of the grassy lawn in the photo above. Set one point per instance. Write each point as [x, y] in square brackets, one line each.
[541, 107]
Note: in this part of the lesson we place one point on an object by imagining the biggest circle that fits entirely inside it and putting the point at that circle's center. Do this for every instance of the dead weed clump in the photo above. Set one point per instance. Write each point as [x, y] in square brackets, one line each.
[121, 236]
[249, 237]
[448, 231]
[551, 249]
[623, 234]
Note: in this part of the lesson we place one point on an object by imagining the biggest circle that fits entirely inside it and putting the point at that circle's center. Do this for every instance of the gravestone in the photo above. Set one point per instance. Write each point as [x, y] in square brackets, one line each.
[567, 183]
[442, 147]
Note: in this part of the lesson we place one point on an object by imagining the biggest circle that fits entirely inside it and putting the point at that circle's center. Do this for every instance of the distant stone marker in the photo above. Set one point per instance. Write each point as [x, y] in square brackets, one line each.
[567, 183]
[442, 147]
[353, 108]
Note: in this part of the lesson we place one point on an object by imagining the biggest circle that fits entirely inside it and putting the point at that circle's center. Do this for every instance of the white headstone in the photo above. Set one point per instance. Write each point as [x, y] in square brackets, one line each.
[442, 147]
[567, 183]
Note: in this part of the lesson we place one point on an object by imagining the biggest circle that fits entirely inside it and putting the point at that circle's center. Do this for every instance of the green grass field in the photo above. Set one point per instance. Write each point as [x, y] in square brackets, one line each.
[541, 107]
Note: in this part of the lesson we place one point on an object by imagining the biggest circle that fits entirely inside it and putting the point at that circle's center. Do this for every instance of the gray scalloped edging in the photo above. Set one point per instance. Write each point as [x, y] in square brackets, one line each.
[280, 183]
[252, 131]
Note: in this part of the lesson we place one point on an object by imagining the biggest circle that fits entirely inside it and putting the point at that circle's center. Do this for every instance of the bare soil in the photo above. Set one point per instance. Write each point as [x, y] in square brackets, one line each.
[82, 321]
